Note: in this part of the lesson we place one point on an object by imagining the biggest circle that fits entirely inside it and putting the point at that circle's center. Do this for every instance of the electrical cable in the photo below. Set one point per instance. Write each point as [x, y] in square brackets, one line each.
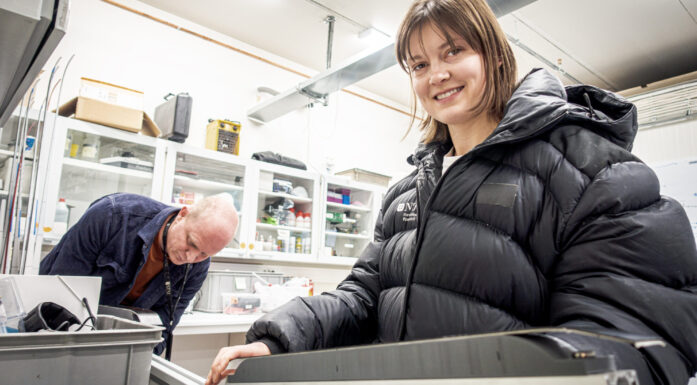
[90, 317]
[23, 239]
[49, 140]
[16, 180]
[34, 208]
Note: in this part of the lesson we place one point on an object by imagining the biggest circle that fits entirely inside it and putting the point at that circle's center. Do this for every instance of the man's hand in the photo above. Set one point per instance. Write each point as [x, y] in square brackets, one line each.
[225, 355]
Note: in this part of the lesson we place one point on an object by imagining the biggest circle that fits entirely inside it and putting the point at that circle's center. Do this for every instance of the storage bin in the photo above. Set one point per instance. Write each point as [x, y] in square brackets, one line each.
[119, 352]
[240, 303]
[225, 281]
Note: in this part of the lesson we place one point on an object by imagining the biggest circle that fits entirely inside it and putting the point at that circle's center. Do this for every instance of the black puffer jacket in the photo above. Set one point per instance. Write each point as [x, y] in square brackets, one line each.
[551, 221]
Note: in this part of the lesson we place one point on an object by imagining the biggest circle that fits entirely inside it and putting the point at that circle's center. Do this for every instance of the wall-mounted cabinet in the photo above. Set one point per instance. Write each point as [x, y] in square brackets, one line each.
[286, 205]
[284, 212]
[192, 174]
[89, 161]
[349, 213]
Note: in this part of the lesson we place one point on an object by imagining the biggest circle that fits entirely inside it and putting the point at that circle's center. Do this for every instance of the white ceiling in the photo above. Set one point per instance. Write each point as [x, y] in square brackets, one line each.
[617, 44]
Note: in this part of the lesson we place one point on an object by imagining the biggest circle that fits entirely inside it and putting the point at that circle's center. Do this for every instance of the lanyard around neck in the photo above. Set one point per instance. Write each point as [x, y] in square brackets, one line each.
[165, 268]
[168, 286]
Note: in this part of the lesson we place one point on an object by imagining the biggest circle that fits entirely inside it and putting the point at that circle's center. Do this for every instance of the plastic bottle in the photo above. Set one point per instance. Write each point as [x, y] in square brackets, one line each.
[259, 242]
[299, 219]
[269, 244]
[308, 221]
[60, 221]
[298, 245]
[306, 245]
[281, 216]
[76, 144]
[291, 218]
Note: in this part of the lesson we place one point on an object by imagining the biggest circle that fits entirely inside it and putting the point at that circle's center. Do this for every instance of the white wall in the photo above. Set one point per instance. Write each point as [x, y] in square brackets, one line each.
[665, 143]
[124, 48]
[121, 47]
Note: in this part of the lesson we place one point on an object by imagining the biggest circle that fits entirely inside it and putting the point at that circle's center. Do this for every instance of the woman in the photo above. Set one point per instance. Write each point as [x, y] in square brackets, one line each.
[526, 209]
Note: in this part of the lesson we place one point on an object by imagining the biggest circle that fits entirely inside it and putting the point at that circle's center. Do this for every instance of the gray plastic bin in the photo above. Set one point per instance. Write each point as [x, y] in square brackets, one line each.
[120, 352]
[225, 281]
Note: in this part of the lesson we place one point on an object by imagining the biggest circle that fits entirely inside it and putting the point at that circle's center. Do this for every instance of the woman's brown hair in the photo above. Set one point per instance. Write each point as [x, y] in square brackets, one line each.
[474, 21]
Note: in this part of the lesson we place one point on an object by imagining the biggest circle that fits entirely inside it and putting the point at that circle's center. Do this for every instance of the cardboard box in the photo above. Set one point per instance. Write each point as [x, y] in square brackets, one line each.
[110, 105]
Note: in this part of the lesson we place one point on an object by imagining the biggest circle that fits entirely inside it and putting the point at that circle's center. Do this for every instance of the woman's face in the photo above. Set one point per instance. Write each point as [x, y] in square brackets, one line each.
[448, 80]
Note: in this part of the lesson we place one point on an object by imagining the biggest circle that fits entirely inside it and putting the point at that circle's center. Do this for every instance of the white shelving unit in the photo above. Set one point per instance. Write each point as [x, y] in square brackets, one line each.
[347, 227]
[82, 179]
[194, 173]
[182, 174]
[282, 241]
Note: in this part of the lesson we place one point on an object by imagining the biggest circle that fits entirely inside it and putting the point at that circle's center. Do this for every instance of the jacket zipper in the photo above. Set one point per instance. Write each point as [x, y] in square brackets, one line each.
[421, 223]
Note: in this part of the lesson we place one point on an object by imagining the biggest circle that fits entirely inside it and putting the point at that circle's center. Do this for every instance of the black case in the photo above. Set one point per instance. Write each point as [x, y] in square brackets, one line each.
[173, 117]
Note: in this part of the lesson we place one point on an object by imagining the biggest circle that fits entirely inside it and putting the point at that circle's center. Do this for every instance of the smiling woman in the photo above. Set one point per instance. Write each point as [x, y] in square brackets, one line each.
[468, 36]
[449, 80]
[526, 209]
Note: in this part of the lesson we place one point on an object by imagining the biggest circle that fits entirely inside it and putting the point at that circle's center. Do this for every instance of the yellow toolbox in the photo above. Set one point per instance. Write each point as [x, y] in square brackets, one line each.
[223, 135]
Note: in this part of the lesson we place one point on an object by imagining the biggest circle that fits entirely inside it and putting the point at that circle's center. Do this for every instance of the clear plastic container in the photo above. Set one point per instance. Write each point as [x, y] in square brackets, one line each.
[240, 303]
[60, 221]
[11, 308]
[90, 148]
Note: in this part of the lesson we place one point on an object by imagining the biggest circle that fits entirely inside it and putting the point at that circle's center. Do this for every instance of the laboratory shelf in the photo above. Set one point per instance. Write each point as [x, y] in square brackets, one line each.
[107, 169]
[348, 207]
[294, 198]
[203, 184]
[278, 227]
[231, 252]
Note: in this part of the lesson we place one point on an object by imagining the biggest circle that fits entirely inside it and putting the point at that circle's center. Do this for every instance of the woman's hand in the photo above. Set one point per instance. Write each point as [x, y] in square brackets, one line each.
[225, 355]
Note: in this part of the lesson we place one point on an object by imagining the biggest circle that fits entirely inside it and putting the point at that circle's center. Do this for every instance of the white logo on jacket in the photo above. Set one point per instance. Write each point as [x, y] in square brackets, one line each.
[408, 211]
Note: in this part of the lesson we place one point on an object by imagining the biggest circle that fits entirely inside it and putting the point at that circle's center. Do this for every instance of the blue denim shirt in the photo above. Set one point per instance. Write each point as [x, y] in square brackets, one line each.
[112, 240]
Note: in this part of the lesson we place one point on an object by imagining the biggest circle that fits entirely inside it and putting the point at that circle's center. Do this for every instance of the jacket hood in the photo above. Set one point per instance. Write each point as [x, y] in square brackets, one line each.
[540, 102]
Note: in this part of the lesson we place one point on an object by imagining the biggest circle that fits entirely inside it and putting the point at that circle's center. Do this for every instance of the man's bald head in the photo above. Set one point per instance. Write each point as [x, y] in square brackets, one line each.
[218, 213]
[203, 229]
